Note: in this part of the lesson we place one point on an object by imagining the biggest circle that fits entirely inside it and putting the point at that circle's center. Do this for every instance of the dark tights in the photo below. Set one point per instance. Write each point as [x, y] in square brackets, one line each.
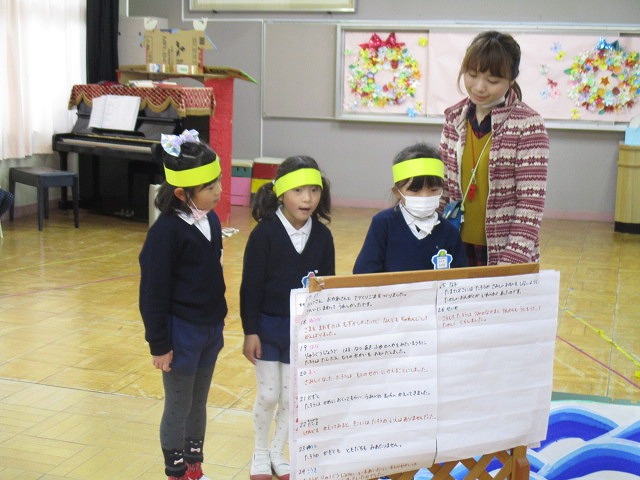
[184, 419]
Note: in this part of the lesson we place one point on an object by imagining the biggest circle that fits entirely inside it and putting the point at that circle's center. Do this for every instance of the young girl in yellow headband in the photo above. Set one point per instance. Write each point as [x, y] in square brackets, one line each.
[288, 245]
[412, 235]
[182, 296]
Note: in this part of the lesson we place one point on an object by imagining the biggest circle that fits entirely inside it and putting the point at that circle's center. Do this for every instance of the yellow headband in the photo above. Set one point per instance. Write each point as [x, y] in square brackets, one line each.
[297, 178]
[193, 176]
[418, 167]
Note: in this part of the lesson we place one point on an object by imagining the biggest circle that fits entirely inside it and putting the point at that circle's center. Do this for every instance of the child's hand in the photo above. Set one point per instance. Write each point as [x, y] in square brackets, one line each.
[163, 362]
[252, 348]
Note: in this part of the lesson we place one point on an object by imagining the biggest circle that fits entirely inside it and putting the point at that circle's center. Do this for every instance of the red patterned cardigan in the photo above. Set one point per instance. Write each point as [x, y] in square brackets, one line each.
[517, 176]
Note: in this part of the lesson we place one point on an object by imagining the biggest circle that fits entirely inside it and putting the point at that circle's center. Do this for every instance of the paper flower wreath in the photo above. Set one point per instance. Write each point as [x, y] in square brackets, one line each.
[385, 73]
[605, 79]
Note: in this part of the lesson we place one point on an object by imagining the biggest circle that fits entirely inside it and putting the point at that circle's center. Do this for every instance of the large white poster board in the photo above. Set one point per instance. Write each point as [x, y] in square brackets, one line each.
[387, 379]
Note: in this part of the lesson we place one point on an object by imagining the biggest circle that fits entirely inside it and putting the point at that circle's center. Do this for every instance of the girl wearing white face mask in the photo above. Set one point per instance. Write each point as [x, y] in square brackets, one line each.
[412, 235]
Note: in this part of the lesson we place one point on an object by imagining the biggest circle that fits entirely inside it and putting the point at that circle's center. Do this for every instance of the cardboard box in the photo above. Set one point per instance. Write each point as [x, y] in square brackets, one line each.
[176, 51]
[131, 43]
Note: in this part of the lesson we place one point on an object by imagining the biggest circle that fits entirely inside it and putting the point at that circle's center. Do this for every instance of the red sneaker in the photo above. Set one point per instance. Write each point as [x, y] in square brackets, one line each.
[194, 472]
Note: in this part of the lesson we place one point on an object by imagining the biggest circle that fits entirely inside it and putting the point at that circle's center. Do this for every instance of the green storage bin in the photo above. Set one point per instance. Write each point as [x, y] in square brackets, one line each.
[241, 168]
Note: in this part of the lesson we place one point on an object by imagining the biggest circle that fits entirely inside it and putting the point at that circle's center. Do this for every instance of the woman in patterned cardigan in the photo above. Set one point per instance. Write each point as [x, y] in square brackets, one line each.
[496, 149]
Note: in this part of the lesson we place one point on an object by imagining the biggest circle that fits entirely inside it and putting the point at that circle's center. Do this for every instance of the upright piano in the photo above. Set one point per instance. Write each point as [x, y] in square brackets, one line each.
[117, 167]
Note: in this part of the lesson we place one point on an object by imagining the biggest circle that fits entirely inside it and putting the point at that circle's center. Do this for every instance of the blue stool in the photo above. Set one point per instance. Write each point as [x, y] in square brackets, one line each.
[44, 178]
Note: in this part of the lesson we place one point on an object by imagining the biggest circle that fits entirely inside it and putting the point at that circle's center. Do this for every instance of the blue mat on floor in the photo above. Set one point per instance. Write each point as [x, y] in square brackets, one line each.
[586, 440]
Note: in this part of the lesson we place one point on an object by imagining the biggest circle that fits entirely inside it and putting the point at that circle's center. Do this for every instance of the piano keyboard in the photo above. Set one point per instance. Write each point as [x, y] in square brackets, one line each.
[101, 143]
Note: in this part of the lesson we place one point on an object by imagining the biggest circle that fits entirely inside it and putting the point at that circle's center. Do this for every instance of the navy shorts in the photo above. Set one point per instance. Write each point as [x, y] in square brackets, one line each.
[195, 346]
[274, 338]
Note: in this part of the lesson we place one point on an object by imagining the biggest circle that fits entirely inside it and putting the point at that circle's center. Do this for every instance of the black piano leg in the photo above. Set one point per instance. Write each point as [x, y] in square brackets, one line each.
[64, 203]
[95, 169]
[151, 170]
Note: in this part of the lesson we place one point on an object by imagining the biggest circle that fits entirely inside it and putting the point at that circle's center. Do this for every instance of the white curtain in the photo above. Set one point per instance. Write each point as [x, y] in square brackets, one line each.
[41, 58]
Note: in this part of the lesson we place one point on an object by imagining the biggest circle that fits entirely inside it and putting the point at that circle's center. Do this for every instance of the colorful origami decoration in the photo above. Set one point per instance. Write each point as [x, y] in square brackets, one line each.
[605, 79]
[384, 73]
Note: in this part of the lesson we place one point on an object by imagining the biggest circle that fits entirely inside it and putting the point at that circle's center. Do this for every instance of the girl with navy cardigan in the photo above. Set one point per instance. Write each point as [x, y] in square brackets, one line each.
[288, 245]
[412, 235]
[182, 296]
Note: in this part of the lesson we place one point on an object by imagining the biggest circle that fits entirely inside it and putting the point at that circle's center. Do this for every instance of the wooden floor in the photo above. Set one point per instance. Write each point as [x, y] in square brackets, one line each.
[79, 398]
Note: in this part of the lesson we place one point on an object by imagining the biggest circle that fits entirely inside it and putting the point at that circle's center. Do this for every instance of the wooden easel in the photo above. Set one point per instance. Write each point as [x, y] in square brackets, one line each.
[391, 278]
[515, 465]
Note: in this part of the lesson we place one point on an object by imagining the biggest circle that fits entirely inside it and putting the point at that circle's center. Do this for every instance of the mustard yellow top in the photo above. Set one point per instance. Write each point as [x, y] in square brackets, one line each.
[475, 206]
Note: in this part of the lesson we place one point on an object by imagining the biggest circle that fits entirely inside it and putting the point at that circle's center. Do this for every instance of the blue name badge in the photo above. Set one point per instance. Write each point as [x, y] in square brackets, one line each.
[441, 260]
[307, 277]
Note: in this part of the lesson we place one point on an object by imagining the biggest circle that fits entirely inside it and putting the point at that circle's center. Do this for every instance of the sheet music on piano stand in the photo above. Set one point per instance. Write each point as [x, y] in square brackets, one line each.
[115, 112]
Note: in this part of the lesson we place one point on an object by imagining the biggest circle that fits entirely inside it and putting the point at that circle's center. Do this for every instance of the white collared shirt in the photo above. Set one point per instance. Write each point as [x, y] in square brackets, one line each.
[202, 224]
[298, 237]
[424, 226]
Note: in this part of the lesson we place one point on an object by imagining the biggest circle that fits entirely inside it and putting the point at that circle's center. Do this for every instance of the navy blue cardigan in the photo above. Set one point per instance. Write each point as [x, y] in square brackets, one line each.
[181, 275]
[391, 247]
[272, 268]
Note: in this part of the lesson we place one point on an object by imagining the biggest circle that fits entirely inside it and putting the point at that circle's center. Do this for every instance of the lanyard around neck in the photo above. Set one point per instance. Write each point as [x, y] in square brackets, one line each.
[475, 167]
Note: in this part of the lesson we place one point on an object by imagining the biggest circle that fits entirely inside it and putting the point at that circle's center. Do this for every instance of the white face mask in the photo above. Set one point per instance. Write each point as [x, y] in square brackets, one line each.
[420, 207]
[196, 212]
